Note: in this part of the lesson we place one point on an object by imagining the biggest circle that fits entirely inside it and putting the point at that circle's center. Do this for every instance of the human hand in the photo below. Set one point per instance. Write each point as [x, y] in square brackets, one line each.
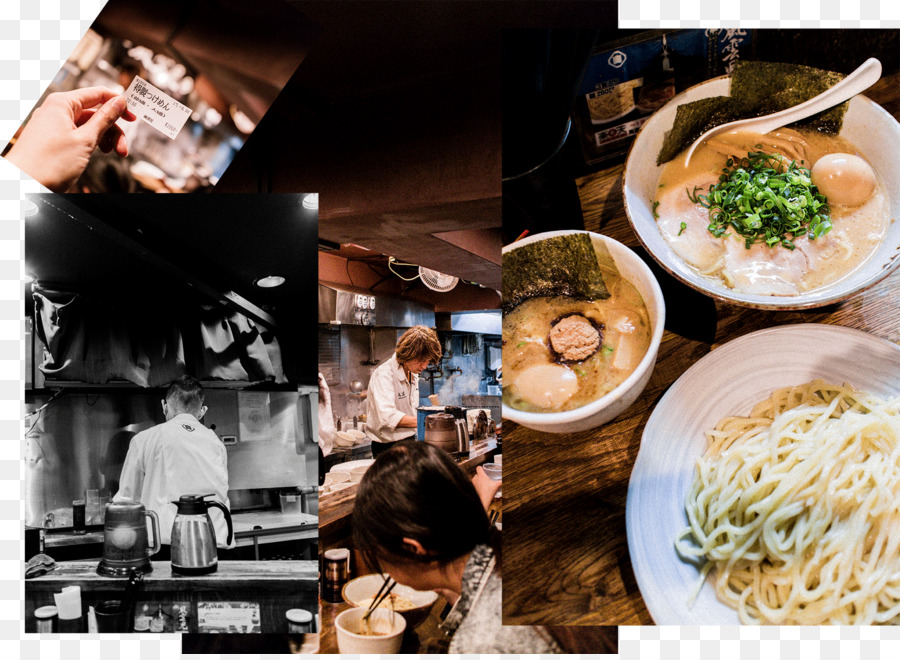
[485, 487]
[59, 139]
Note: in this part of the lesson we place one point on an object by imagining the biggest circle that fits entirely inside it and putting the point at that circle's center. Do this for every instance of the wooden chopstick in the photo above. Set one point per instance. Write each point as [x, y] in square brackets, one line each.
[379, 596]
[384, 595]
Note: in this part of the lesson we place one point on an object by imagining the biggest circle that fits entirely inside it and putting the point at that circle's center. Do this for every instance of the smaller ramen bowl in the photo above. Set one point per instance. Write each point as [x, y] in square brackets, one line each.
[364, 587]
[874, 132]
[602, 410]
[388, 626]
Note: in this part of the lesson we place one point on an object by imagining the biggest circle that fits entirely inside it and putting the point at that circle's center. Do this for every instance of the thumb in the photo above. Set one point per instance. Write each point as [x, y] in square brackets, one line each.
[104, 118]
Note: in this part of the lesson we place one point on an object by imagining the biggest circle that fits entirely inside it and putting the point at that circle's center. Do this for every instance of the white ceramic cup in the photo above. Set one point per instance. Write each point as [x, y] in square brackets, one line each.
[390, 624]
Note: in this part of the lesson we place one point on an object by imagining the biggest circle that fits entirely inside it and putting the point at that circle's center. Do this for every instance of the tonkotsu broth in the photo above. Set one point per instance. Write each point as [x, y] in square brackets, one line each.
[855, 235]
[530, 368]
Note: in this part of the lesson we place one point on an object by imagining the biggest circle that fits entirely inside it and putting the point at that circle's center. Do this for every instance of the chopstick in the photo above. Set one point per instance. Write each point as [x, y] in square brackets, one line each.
[379, 597]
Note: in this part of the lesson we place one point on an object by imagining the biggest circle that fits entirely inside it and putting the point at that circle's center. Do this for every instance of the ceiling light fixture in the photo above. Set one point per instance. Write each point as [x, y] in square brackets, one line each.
[29, 278]
[311, 201]
[269, 281]
[31, 209]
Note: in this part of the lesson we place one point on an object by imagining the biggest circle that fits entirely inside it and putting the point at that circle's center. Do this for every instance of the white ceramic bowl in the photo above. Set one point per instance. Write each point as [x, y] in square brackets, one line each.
[867, 125]
[602, 410]
[366, 586]
[347, 625]
[338, 477]
[356, 434]
[356, 474]
[344, 439]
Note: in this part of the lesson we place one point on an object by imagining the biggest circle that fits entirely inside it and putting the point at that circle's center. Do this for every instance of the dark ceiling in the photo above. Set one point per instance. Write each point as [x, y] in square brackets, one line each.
[394, 117]
[183, 247]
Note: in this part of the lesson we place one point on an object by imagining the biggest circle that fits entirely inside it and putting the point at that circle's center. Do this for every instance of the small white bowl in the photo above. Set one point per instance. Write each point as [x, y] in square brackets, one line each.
[356, 434]
[867, 125]
[364, 587]
[338, 477]
[602, 410]
[356, 474]
[391, 624]
[344, 439]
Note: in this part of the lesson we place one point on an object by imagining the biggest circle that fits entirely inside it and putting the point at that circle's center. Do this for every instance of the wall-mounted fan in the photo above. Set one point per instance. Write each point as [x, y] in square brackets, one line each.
[437, 281]
[434, 280]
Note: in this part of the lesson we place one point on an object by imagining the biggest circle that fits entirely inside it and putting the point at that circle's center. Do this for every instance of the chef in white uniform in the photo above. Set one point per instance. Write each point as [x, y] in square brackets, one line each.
[394, 388]
[175, 458]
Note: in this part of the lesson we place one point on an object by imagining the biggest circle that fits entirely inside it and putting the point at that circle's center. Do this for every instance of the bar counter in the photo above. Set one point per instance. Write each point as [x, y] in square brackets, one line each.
[276, 586]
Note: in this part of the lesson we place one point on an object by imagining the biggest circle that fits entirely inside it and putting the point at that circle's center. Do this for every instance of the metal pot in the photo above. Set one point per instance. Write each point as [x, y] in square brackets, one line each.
[447, 432]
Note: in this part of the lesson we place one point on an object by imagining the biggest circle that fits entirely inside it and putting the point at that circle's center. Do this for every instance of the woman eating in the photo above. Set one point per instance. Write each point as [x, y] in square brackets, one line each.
[419, 518]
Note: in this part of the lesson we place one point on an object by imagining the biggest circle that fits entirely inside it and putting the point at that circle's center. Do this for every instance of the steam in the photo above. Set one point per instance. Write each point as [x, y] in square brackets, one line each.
[453, 389]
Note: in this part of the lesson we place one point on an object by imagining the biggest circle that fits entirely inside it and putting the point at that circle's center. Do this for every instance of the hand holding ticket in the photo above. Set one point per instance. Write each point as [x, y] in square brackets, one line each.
[157, 108]
[58, 141]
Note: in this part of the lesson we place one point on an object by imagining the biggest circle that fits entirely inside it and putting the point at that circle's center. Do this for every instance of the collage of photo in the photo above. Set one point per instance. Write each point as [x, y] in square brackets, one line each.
[457, 328]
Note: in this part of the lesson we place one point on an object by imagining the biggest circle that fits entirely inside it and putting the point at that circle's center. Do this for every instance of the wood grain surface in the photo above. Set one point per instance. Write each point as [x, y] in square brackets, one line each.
[566, 558]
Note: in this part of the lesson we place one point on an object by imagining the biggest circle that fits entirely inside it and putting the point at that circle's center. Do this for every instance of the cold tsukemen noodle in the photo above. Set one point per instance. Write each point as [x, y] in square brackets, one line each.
[796, 508]
[561, 352]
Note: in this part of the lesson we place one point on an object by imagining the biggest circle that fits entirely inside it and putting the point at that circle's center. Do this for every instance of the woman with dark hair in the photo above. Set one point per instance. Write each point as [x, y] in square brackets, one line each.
[419, 518]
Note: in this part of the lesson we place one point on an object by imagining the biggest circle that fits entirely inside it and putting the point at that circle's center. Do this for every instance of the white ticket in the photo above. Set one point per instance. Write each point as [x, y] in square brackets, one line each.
[157, 108]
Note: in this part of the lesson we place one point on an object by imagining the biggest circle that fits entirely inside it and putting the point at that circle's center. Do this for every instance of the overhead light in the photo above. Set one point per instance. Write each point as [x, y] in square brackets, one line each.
[29, 278]
[269, 281]
[311, 201]
[31, 209]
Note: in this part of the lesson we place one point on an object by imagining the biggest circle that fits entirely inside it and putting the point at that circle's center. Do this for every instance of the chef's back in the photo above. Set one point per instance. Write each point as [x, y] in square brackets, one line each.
[175, 458]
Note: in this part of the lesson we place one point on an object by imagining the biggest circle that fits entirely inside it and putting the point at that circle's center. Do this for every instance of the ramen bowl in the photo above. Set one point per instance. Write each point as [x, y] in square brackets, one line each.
[388, 626]
[874, 132]
[364, 587]
[600, 411]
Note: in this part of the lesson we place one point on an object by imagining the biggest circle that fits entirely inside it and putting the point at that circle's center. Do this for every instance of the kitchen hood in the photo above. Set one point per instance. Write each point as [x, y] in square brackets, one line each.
[360, 307]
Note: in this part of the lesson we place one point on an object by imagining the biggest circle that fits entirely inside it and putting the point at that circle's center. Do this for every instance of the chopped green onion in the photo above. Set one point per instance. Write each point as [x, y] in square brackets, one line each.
[764, 203]
[521, 344]
[580, 372]
[655, 206]
[607, 349]
[683, 227]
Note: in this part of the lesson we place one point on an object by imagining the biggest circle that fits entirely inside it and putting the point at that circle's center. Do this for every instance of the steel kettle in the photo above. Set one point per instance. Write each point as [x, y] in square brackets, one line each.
[194, 536]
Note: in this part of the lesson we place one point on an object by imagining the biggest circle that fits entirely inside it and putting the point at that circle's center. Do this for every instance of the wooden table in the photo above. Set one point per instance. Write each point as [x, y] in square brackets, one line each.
[566, 557]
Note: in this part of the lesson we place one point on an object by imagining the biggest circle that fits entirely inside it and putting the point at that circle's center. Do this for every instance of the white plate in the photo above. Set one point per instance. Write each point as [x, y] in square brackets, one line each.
[349, 465]
[727, 381]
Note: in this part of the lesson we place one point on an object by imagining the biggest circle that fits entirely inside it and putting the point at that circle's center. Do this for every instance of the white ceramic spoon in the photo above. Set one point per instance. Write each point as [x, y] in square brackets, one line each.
[864, 77]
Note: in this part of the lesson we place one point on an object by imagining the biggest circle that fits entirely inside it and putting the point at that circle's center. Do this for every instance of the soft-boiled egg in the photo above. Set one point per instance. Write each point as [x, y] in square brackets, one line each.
[845, 179]
[547, 385]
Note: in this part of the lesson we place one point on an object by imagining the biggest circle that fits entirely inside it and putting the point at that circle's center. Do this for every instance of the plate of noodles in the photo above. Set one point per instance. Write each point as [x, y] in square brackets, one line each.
[801, 481]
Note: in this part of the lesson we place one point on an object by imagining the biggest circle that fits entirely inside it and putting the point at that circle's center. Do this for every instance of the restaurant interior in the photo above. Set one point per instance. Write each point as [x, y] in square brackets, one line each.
[156, 289]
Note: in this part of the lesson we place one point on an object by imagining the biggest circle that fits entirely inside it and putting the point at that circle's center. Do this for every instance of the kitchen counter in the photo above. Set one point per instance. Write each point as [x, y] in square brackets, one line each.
[275, 586]
[336, 508]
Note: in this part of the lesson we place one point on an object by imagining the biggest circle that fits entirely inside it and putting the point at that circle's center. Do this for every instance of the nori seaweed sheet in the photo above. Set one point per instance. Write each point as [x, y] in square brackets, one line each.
[556, 266]
[757, 89]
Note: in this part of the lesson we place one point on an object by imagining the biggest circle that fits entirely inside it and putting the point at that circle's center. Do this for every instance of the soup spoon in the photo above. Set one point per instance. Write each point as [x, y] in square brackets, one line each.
[864, 77]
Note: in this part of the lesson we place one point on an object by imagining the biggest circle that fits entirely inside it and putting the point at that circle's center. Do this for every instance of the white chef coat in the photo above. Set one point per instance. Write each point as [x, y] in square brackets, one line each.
[175, 458]
[390, 397]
